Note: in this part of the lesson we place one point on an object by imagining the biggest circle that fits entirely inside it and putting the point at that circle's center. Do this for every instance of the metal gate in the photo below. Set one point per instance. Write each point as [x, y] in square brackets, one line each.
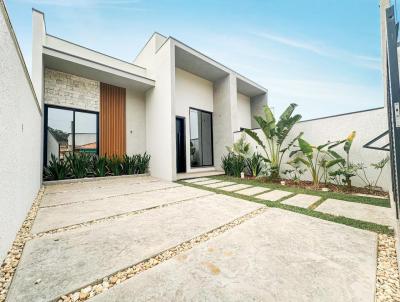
[393, 101]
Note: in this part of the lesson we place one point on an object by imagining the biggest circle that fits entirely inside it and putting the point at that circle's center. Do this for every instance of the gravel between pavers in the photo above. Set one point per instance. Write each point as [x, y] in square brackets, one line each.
[113, 217]
[387, 273]
[96, 288]
[9, 266]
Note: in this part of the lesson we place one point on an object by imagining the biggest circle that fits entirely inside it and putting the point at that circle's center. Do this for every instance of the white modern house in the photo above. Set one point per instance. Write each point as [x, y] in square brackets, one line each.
[172, 101]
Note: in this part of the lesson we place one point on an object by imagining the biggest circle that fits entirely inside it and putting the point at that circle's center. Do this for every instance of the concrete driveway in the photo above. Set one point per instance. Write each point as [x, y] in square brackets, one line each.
[220, 248]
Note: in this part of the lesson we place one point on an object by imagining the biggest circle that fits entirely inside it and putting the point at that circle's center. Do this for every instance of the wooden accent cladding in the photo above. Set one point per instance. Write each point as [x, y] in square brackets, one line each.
[112, 120]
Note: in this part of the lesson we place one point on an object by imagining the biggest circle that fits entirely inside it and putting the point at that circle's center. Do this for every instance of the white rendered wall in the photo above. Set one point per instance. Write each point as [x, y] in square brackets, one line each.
[191, 91]
[20, 137]
[367, 124]
[135, 122]
[160, 114]
[91, 55]
[224, 117]
[244, 111]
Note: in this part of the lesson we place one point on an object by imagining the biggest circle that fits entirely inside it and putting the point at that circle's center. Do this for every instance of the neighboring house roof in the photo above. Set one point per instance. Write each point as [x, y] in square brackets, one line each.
[87, 146]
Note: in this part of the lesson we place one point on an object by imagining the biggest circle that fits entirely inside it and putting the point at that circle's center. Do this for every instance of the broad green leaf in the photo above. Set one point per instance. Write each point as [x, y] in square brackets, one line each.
[255, 136]
[301, 160]
[306, 148]
[333, 162]
[269, 117]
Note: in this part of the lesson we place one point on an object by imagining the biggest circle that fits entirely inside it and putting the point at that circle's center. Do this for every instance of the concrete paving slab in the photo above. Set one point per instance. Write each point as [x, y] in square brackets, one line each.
[220, 184]
[104, 192]
[252, 191]
[196, 179]
[207, 182]
[274, 195]
[94, 183]
[359, 211]
[57, 217]
[69, 260]
[236, 187]
[302, 200]
[303, 259]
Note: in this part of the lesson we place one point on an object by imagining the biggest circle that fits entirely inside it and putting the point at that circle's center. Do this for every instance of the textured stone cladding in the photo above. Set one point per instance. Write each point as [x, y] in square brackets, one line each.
[67, 90]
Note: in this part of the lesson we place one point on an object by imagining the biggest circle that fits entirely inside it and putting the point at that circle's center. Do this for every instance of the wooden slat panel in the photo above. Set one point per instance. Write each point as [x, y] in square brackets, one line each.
[112, 120]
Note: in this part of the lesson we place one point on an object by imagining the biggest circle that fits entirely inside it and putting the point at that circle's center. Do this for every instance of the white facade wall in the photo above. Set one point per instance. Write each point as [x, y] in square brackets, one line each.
[195, 92]
[20, 137]
[244, 111]
[367, 124]
[224, 117]
[67, 90]
[160, 114]
[135, 122]
[91, 55]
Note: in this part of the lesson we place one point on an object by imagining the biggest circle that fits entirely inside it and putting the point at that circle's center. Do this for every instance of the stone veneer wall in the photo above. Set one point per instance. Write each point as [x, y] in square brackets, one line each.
[67, 90]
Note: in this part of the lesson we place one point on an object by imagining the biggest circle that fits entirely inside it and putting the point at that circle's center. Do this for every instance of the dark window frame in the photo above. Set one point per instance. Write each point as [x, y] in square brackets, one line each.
[74, 110]
[212, 137]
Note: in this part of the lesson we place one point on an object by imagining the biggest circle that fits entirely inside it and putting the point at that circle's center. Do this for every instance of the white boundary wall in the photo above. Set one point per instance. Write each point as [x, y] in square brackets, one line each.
[20, 137]
[368, 125]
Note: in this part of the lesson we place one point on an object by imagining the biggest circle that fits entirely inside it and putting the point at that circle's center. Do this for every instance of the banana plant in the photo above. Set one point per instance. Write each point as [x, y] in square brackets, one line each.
[275, 133]
[346, 169]
[314, 159]
[241, 147]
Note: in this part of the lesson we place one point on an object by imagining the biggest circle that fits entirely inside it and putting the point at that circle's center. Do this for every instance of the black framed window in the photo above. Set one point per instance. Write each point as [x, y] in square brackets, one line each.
[201, 138]
[70, 130]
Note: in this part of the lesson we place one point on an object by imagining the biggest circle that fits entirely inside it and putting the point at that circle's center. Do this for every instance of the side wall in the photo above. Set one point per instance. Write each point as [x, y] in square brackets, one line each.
[20, 137]
[191, 91]
[367, 124]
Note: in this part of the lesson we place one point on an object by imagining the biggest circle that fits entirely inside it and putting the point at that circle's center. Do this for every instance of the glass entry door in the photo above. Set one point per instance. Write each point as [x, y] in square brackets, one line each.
[201, 138]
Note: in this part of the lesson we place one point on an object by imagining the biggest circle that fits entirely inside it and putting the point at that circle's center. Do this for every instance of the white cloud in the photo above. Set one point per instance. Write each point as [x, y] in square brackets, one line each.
[319, 49]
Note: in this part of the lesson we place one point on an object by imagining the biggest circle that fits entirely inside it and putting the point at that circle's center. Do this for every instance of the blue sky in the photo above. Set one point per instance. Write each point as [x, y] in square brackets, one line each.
[322, 55]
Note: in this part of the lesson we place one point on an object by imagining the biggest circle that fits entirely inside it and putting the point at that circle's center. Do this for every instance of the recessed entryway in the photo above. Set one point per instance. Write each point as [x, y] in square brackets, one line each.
[180, 145]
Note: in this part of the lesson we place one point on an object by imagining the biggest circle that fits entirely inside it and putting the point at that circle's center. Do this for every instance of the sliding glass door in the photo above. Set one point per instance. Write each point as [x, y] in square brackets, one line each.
[201, 140]
[68, 130]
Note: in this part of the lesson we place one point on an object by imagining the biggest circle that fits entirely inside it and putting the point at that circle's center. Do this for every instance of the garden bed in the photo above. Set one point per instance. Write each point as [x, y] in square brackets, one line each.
[377, 200]
[332, 187]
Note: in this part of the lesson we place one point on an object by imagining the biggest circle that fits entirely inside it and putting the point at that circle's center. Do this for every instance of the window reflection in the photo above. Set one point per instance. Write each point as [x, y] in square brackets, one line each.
[59, 129]
[201, 153]
[70, 130]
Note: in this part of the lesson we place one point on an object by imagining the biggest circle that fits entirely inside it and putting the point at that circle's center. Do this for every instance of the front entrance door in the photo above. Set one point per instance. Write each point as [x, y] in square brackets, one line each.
[180, 145]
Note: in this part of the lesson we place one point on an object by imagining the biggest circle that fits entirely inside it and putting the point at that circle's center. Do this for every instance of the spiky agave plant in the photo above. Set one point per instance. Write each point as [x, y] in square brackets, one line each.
[57, 169]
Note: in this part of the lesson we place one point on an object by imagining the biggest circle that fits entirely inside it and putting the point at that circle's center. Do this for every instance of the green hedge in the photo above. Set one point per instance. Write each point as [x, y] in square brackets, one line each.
[79, 165]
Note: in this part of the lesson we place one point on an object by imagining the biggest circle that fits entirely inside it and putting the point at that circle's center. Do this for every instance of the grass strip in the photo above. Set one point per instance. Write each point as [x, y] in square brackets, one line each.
[335, 195]
[364, 225]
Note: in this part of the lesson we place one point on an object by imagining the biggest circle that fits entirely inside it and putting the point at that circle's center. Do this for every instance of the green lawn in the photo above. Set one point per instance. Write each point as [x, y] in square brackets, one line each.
[309, 212]
[325, 195]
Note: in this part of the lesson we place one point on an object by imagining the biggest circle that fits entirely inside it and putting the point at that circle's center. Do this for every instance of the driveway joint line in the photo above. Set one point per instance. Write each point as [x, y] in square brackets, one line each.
[97, 287]
[94, 199]
[112, 217]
